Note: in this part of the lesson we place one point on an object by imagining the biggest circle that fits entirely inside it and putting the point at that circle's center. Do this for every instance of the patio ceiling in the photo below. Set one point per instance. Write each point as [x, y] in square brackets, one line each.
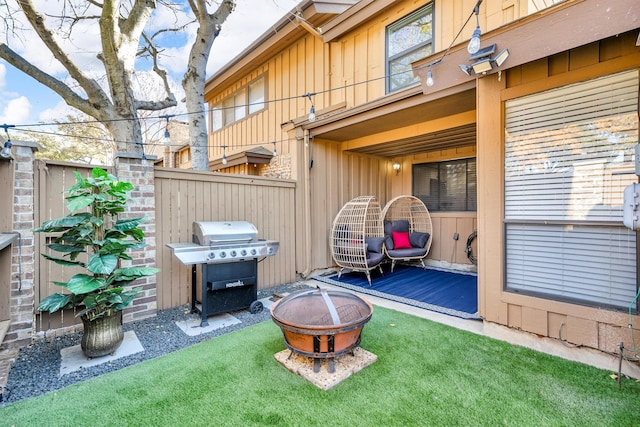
[460, 136]
[408, 112]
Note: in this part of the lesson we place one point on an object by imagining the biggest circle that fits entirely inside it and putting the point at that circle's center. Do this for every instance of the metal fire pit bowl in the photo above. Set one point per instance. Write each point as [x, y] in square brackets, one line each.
[320, 323]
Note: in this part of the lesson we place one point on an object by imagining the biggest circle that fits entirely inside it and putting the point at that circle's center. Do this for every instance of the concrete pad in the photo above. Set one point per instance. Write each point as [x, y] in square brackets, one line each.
[345, 366]
[269, 301]
[191, 326]
[74, 359]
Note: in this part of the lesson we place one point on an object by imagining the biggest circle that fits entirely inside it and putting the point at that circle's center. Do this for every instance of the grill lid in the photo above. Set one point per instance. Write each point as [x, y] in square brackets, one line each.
[209, 233]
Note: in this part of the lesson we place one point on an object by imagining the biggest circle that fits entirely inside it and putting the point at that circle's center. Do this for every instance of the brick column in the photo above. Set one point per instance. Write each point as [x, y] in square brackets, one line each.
[140, 173]
[22, 261]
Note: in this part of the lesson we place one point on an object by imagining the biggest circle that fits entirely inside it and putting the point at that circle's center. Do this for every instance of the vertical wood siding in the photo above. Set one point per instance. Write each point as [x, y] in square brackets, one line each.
[602, 329]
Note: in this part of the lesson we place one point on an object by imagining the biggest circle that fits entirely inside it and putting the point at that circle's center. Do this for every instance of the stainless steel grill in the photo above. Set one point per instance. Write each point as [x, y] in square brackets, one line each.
[227, 253]
[217, 242]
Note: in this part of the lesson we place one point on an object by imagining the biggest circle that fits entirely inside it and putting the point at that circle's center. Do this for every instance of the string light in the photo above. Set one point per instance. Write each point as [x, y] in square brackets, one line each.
[474, 43]
[429, 77]
[6, 150]
[311, 117]
[312, 111]
[275, 151]
[224, 154]
[167, 136]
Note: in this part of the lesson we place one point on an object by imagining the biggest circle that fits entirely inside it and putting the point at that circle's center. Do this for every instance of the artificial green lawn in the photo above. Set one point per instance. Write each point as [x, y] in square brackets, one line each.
[426, 374]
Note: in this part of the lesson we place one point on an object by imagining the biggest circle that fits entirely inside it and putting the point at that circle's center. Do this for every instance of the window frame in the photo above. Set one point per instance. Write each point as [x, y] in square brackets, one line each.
[470, 200]
[567, 157]
[423, 11]
[238, 106]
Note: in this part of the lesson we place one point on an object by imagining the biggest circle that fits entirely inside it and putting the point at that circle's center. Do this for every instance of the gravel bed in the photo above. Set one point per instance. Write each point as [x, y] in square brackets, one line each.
[36, 369]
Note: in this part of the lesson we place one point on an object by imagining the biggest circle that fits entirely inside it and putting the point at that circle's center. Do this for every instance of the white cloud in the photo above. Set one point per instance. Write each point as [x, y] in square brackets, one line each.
[59, 112]
[17, 110]
[250, 20]
[245, 25]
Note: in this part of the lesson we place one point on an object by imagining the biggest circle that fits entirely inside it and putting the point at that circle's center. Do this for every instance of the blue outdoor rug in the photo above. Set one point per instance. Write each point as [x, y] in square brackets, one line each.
[455, 294]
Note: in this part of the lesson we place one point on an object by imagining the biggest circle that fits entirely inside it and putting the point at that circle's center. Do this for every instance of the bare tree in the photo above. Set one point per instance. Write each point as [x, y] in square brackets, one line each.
[123, 40]
[193, 82]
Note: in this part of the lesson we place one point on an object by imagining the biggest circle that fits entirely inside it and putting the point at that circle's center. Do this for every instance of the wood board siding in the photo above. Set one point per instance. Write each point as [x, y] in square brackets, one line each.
[576, 324]
[183, 197]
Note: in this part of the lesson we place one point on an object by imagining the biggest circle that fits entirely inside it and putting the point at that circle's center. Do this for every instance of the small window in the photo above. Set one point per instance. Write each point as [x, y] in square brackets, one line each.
[408, 40]
[216, 117]
[446, 186]
[256, 96]
[239, 105]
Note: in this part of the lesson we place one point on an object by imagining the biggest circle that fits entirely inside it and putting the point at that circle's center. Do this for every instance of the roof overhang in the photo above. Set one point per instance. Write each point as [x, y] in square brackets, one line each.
[403, 109]
[256, 156]
[313, 13]
[557, 29]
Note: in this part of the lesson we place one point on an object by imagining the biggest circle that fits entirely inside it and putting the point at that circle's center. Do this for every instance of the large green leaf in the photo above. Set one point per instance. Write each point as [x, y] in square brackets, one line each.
[83, 284]
[127, 274]
[65, 248]
[128, 223]
[75, 203]
[102, 264]
[54, 302]
[61, 224]
[63, 261]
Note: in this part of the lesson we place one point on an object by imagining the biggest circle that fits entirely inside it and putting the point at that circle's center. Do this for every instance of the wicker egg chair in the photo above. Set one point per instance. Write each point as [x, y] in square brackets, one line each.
[357, 236]
[408, 230]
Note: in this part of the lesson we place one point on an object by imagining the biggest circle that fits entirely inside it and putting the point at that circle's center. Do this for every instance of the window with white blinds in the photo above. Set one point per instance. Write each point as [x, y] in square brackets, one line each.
[569, 153]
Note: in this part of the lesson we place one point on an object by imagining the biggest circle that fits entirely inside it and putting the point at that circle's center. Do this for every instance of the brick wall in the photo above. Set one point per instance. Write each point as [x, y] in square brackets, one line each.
[22, 262]
[140, 173]
[280, 167]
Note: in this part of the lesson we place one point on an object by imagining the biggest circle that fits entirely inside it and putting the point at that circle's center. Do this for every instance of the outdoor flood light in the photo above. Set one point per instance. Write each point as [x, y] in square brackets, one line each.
[501, 57]
[484, 62]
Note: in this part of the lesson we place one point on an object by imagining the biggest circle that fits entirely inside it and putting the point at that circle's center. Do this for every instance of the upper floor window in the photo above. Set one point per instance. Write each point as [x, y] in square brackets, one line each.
[241, 104]
[446, 186]
[408, 40]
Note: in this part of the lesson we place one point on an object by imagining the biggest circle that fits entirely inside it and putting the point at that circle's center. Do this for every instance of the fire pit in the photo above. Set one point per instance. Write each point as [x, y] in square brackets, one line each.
[321, 324]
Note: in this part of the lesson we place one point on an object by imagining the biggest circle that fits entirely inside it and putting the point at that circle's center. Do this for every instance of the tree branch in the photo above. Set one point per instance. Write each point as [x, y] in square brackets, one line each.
[54, 84]
[90, 86]
[170, 100]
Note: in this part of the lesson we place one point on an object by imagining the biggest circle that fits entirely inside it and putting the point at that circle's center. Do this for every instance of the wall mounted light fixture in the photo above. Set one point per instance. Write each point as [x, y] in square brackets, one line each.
[396, 167]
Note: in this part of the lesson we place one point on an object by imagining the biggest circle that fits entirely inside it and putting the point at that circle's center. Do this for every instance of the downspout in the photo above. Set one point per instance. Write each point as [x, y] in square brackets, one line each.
[307, 203]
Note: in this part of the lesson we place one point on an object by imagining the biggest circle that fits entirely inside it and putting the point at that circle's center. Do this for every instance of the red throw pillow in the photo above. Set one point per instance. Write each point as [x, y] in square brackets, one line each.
[401, 240]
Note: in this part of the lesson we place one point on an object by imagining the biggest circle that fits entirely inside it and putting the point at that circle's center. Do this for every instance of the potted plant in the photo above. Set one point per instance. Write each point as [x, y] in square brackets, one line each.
[94, 239]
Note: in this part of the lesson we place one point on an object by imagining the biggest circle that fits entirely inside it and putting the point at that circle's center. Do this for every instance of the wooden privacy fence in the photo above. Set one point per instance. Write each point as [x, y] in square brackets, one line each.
[181, 197]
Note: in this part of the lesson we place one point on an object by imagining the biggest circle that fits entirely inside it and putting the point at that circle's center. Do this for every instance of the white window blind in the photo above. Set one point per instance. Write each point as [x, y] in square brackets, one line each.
[569, 153]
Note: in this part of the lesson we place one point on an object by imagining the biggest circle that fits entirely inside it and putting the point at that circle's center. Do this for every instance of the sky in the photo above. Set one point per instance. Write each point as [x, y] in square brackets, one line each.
[25, 101]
